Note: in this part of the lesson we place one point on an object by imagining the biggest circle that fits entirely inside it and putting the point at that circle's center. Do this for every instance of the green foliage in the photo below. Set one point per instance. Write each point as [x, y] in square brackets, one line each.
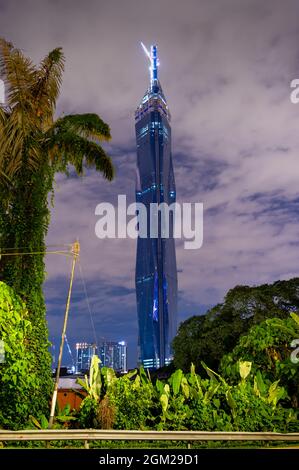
[209, 337]
[134, 398]
[88, 413]
[19, 379]
[268, 346]
[189, 401]
[63, 419]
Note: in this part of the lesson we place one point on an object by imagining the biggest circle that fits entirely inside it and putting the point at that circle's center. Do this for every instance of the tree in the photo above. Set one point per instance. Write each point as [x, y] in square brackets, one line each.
[268, 346]
[210, 336]
[33, 147]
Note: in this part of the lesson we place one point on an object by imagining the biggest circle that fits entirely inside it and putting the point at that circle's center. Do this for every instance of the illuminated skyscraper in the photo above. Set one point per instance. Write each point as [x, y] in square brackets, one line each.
[156, 272]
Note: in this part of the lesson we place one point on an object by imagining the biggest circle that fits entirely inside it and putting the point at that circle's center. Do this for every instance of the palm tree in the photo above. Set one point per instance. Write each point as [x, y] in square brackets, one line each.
[33, 148]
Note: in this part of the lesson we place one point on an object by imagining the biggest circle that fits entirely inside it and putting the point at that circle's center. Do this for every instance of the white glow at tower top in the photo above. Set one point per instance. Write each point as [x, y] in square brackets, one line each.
[154, 62]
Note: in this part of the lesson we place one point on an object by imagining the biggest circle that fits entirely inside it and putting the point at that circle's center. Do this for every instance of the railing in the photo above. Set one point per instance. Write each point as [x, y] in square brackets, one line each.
[115, 435]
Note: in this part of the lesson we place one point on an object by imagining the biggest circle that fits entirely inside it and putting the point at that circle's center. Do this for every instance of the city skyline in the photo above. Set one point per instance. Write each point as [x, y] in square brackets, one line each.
[112, 354]
[227, 70]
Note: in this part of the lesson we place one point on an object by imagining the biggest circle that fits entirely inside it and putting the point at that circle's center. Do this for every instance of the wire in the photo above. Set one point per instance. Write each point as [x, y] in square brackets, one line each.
[47, 246]
[43, 252]
[37, 253]
[88, 304]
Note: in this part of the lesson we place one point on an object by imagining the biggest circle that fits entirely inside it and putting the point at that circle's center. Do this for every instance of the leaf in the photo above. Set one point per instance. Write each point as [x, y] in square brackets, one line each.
[82, 383]
[137, 382]
[244, 369]
[164, 402]
[275, 393]
[44, 422]
[35, 422]
[295, 317]
[175, 380]
[131, 374]
[109, 376]
[78, 393]
[143, 376]
[66, 410]
[185, 387]
[230, 400]
[259, 385]
[159, 386]
[64, 419]
[210, 372]
[193, 380]
[211, 391]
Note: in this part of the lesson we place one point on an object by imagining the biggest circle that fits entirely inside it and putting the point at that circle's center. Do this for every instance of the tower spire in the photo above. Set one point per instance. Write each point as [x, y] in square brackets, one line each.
[154, 63]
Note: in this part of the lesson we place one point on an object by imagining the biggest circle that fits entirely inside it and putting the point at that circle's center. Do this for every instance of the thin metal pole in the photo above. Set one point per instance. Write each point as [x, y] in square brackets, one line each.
[75, 252]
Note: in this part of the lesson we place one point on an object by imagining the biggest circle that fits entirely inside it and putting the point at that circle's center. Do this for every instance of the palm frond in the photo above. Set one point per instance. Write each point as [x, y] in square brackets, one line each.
[66, 147]
[18, 72]
[21, 121]
[46, 86]
[96, 157]
[18, 135]
[89, 126]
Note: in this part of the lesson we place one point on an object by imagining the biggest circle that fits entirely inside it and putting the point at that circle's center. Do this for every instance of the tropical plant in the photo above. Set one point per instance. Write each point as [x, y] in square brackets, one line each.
[188, 401]
[96, 409]
[33, 147]
[92, 385]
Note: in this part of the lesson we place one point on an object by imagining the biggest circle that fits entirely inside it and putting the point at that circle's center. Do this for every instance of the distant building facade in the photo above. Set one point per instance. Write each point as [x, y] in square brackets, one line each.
[114, 355]
[84, 353]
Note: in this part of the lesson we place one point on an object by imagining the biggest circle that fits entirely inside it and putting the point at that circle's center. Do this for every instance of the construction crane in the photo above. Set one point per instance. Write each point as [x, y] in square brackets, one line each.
[70, 353]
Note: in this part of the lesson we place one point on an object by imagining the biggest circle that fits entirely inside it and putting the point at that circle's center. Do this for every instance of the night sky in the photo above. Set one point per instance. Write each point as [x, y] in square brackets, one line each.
[226, 68]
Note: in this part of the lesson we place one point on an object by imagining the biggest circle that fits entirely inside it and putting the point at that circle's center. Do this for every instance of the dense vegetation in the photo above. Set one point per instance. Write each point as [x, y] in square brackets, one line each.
[257, 389]
[209, 337]
[186, 401]
[33, 147]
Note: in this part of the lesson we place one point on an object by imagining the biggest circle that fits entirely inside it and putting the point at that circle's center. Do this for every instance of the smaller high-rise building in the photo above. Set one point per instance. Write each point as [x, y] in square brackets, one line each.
[114, 355]
[84, 353]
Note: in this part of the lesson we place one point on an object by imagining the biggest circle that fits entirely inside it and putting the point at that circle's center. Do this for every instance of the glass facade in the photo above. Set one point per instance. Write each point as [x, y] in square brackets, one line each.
[84, 353]
[156, 272]
[114, 355]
